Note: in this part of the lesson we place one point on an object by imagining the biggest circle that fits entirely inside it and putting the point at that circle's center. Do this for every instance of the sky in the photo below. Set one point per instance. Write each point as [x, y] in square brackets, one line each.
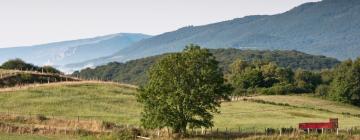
[31, 22]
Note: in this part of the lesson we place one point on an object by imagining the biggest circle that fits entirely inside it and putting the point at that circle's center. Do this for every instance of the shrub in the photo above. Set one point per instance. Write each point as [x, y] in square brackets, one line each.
[277, 89]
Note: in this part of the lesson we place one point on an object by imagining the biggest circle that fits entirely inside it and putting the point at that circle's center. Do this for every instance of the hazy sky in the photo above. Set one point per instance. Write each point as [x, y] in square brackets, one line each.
[29, 22]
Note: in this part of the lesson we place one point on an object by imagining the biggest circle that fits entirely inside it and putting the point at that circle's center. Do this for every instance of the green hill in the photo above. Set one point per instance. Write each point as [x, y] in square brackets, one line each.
[116, 103]
[327, 27]
[133, 72]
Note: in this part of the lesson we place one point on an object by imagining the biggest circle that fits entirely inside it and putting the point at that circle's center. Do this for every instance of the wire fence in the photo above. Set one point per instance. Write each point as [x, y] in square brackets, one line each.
[78, 122]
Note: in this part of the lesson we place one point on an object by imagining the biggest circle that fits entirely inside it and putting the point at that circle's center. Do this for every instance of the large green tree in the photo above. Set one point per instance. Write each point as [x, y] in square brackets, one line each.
[345, 86]
[184, 90]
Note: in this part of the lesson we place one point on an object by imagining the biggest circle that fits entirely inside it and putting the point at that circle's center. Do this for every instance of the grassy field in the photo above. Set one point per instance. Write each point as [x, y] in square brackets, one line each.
[250, 115]
[105, 101]
[311, 102]
[5, 136]
[116, 103]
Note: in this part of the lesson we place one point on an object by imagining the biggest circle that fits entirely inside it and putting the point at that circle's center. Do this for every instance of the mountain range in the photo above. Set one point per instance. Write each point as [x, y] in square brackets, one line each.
[61, 53]
[328, 27]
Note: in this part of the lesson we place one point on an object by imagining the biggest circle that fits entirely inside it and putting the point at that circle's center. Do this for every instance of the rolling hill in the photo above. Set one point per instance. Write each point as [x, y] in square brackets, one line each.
[62, 53]
[134, 71]
[116, 103]
[329, 27]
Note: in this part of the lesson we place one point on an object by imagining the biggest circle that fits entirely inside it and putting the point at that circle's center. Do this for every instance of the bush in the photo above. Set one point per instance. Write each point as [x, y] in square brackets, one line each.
[277, 89]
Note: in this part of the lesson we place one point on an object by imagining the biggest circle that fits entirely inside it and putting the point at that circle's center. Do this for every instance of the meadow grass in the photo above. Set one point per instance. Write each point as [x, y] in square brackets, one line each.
[309, 101]
[116, 103]
[108, 102]
[255, 116]
[7, 136]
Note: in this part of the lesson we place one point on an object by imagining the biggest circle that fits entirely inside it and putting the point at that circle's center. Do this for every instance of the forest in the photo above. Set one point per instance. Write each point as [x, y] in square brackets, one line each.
[134, 71]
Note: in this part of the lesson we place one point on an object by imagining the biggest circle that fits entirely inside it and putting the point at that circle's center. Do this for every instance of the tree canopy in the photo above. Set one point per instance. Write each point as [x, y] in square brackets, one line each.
[18, 64]
[134, 71]
[183, 90]
[345, 86]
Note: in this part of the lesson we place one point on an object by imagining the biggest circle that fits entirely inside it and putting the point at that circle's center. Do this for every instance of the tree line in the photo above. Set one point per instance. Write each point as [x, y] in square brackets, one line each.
[134, 71]
[341, 83]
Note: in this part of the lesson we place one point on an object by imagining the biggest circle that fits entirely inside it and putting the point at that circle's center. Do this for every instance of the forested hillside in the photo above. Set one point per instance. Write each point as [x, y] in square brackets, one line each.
[133, 72]
[328, 27]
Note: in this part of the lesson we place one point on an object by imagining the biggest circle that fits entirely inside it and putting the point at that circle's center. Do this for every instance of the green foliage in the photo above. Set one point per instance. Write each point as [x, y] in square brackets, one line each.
[18, 64]
[265, 78]
[134, 72]
[278, 89]
[322, 90]
[307, 81]
[346, 84]
[50, 69]
[184, 90]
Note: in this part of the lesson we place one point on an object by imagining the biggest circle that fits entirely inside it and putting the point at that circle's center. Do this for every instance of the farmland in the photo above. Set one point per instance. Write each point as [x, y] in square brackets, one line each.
[116, 103]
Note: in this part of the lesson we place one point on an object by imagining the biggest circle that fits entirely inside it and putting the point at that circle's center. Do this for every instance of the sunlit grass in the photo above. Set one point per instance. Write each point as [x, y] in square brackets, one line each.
[108, 102]
[115, 103]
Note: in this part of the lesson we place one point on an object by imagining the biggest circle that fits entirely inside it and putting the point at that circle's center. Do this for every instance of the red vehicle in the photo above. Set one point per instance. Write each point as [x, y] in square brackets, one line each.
[331, 125]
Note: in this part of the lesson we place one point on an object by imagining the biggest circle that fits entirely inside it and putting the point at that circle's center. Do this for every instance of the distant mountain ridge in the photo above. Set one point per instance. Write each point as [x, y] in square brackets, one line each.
[62, 53]
[329, 27]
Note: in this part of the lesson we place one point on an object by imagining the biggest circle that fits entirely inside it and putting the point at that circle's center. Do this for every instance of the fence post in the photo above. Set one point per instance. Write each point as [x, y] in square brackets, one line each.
[337, 131]
[322, 130]
[266, 132]
[280, 132]
[254, 131]
[308, 131]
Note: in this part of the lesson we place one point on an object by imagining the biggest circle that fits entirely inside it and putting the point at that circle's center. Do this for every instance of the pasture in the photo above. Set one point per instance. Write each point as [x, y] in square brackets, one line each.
[116, 103]
[94, 103]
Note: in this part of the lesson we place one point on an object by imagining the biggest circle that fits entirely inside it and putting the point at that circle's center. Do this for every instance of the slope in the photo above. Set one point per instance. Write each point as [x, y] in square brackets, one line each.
[134, 71]
[116, 103]
[61, 53]
[329, 27]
